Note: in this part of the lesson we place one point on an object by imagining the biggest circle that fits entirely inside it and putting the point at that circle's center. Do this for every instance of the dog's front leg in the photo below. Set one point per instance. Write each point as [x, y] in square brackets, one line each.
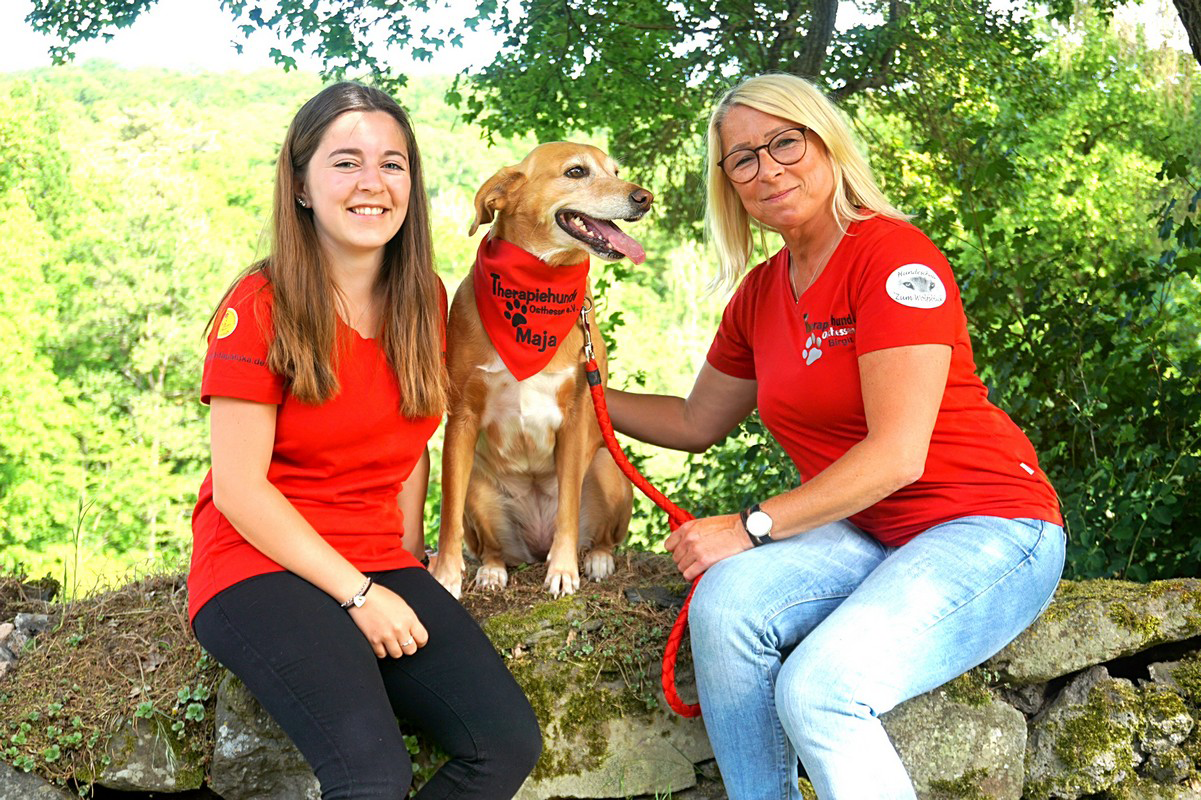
[458, 455]
[571, 462]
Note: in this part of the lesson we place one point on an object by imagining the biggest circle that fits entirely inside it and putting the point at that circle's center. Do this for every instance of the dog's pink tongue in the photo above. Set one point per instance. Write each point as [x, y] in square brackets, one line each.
[620, 241]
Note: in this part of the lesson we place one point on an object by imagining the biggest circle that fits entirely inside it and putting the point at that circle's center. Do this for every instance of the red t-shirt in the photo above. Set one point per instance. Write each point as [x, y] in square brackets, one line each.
[886, 285]
[341, 464]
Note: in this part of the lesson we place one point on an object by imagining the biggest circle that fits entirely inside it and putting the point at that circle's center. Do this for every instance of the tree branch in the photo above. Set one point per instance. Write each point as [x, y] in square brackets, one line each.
[890, 34]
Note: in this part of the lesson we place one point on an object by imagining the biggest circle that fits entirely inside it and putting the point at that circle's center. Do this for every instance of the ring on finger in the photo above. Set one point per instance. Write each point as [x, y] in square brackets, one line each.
[407, 642]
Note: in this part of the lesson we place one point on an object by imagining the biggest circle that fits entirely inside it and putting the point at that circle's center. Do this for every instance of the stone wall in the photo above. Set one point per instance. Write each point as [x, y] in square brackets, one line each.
[1099, 699]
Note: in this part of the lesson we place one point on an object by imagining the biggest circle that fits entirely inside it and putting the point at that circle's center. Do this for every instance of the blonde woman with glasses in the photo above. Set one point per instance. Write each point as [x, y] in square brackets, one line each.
[923, 536]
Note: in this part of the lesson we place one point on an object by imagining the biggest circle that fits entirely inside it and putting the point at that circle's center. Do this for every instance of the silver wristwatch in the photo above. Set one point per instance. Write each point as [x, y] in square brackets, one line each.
[758, 524]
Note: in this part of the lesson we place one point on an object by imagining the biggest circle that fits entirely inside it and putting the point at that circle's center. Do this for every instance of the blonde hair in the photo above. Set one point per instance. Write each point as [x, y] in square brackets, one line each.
[305, 341]
[727, 224]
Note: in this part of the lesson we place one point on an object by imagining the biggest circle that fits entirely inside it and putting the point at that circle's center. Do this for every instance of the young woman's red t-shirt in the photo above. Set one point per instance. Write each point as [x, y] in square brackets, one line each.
[341, 464]
[886, 285]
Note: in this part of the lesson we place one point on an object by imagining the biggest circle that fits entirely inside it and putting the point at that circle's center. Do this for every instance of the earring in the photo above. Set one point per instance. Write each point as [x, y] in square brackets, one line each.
[301, 201]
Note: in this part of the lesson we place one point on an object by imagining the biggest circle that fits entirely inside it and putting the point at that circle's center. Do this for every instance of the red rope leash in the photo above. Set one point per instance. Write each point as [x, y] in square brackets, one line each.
[676, 516]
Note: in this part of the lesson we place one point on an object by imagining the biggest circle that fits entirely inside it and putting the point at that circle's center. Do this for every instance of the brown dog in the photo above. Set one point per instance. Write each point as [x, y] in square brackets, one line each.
[525, 475]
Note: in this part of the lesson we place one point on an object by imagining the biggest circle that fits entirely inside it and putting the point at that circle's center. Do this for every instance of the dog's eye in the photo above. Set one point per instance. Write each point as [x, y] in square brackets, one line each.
[577, 172]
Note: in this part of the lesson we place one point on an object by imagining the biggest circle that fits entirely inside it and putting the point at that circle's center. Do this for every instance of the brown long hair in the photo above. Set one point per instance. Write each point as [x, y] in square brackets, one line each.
[305, 343]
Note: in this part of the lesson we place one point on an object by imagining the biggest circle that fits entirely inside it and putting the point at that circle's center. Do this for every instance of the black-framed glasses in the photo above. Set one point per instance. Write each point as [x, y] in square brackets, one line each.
[786, 147]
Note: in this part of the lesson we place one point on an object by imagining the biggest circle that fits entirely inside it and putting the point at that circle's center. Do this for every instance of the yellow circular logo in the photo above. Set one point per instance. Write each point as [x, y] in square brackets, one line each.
[228, 323]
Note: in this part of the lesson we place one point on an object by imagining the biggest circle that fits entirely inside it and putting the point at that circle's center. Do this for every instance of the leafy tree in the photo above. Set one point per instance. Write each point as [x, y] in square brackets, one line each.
[1076, 249]
[1053, 160]
[644, 70]
[38, 474]
[1064, 190]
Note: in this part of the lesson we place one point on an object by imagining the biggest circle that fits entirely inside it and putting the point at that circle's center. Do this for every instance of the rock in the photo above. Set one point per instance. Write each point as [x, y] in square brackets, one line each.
[253, 759]
[1182, 676]
[146, 757]
[641, 757]
[1138, 789]
[590, 667]
[1097, 621]
[708, 785]
[1162, 671]
[1168, 767]
[606, 729]
[33, 624]
[1167, 721]
[25, 627]
[18, 785]
[1084, 742]
[590, 752]
[1029, 699]
[7, 656]
[975, 750]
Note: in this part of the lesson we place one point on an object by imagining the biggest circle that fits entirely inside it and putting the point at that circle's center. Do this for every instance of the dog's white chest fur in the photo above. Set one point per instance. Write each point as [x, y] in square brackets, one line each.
[520, 421]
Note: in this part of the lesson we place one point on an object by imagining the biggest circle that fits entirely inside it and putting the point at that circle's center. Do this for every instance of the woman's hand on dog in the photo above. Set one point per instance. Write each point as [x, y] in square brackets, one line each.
[389, 623]
[700, 543]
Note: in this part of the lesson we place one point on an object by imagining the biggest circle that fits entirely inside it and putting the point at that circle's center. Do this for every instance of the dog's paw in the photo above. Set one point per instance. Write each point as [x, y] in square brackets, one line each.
[450, 576]
[491, 578]
[598, 565]
[560, 582]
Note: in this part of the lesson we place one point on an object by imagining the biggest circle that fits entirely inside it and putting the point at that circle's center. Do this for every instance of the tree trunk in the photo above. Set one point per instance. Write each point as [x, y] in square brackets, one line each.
[1190, 15]
[817, 41]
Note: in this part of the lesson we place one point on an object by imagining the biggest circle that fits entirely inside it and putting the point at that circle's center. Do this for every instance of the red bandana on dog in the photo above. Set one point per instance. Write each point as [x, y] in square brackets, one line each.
[527, 306]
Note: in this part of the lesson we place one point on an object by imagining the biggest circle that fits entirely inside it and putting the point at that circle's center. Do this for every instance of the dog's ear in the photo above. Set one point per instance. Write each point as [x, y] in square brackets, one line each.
[493, 196]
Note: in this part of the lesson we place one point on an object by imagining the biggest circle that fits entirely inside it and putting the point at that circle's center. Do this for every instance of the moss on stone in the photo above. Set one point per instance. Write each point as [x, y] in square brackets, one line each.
[971, 689]
[1137, 788]
[511, 629]
[190, 763]
[1188, 677]
[966, 787]
[1090, 735]
[1166, 716]
[599, 641]
[1161, 701]
[1091, 739]
[1117, 596]
[1147, 626]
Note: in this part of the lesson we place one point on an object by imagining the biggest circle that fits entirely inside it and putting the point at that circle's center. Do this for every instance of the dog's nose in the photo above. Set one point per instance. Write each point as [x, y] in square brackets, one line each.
[641, 198]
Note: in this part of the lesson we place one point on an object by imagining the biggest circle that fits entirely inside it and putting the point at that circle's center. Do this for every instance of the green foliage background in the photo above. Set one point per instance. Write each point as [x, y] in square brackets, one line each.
[1058, 169]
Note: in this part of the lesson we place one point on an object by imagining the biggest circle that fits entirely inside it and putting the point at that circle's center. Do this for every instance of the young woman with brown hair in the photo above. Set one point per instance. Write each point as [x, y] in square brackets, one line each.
[326, 378]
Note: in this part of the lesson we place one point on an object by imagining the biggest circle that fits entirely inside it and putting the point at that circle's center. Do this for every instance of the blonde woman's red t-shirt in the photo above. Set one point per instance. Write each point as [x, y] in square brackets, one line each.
[886, 285]
[341, 463]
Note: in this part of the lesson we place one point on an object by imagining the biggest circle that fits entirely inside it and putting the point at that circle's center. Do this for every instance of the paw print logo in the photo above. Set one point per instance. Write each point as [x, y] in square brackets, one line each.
[813, 349]
[515, 313]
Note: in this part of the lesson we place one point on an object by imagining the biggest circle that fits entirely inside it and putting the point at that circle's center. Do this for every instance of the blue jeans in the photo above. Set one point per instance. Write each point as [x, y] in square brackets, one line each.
[800, 645]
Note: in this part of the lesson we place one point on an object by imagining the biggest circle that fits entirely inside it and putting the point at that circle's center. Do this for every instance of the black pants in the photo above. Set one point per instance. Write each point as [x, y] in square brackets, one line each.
[312, 669]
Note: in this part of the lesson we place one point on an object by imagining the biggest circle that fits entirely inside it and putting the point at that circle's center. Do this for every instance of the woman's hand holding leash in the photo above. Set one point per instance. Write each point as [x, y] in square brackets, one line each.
[700, 543]
[389, 623]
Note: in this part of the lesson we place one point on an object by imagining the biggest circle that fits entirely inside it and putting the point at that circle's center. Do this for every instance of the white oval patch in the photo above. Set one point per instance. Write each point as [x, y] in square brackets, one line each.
[916, 286]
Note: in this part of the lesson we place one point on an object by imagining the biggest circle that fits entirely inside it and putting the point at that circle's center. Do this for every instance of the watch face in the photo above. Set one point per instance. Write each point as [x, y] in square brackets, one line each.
[758, 523]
